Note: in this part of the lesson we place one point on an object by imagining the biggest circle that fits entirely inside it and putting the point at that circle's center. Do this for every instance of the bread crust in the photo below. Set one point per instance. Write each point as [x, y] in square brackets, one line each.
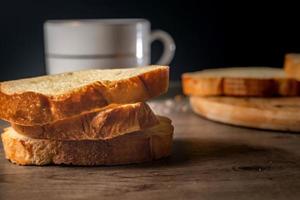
[137, 147]
[101, 124]
[281, 113]
[292, 65]
[31, 108]
[231, 86]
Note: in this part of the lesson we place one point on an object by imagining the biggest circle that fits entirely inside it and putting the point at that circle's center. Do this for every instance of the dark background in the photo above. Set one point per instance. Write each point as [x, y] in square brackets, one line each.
[207, 33]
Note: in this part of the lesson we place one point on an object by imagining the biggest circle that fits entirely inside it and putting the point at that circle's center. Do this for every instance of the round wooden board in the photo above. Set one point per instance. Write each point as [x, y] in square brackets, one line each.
[282, 114]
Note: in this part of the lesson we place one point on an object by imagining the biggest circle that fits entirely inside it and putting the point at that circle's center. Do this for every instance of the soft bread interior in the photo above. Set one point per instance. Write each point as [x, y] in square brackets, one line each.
[240, 72]
[295, 57]
[62, 83]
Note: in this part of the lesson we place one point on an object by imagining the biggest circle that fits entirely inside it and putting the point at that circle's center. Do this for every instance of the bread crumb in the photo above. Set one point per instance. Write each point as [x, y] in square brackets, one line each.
[177, 104]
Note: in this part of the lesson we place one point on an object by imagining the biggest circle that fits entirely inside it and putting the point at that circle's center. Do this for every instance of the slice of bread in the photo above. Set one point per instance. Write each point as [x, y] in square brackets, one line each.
[279, 113]
[45, 99]
[247, 81]
[106, 123]
[137, 147]
[292, 65]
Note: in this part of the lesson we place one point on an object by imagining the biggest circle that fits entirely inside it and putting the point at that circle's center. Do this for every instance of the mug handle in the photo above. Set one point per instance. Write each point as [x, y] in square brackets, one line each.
[168, 43]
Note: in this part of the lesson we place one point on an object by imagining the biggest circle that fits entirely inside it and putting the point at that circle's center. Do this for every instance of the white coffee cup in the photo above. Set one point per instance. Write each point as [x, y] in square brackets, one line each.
[72, 45]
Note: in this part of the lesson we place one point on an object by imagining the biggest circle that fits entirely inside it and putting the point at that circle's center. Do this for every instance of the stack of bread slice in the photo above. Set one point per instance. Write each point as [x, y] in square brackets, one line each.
[93, 117]
[257, 97]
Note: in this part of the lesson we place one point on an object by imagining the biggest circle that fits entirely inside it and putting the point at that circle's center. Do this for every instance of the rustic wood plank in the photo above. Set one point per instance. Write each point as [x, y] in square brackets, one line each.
[210, 161]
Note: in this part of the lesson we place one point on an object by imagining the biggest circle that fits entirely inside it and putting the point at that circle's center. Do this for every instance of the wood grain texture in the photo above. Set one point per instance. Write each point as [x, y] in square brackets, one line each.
[280, 113]
[209, 161]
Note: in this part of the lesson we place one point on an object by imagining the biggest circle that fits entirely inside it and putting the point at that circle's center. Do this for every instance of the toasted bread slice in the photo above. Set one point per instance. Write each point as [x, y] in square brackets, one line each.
[137, 147]
[105, 123]
[280, 113]
[45, 99]
[292, 65]
[247, 81]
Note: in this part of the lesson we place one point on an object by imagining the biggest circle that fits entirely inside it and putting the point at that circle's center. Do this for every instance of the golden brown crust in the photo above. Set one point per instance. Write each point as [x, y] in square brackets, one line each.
[137, 147]
[292, 65]
[30, 108]
[281, 113]
[231, 86]
[203, 86]
[101, 124]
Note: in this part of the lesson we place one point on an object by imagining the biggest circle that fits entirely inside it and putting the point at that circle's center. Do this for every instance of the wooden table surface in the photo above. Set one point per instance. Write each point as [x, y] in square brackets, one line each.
[210, 161]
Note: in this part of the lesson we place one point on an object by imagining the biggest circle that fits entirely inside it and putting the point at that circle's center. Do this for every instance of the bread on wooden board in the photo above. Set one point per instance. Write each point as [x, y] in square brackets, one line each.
[45, 99]
[292, 65]
[240, 81]
[136, 147]
[281, 113]
[105, 123]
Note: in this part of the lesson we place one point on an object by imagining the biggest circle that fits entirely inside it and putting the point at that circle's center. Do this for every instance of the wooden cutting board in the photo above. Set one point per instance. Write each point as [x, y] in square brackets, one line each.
[282, 114]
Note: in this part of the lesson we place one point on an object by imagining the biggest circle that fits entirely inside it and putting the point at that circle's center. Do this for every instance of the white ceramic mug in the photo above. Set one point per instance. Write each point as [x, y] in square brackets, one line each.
[72, 45]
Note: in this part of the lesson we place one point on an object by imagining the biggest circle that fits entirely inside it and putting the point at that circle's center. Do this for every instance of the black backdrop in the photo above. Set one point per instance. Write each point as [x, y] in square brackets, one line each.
[207, 33]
